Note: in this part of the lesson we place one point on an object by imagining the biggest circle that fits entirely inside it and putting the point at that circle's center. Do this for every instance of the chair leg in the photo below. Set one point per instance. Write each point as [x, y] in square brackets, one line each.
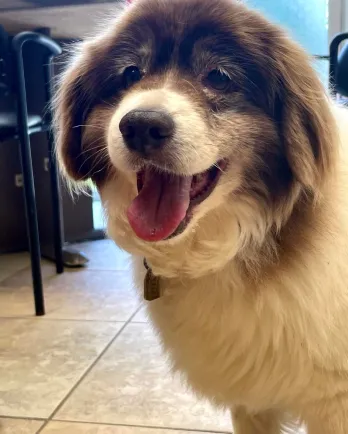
[54, 173]
[29, 188]
[32, 228]
[56, 205]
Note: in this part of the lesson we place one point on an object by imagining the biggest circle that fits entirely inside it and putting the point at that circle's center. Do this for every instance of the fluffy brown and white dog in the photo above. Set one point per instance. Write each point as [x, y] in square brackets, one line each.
[219, 159]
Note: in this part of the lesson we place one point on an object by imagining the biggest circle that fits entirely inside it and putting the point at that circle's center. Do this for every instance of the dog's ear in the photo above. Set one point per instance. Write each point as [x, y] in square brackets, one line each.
[303, 113]
[72, 103]
[81, 97]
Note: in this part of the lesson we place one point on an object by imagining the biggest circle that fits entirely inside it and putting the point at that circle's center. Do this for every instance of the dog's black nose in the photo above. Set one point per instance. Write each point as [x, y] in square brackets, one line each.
[146, 130]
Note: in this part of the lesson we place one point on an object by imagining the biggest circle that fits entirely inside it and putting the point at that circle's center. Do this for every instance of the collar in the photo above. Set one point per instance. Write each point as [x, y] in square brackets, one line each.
[152, 287]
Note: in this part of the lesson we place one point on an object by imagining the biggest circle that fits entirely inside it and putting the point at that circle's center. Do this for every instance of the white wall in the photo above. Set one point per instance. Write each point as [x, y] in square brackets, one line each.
[335, 17]
[345, 16]
[338, 17]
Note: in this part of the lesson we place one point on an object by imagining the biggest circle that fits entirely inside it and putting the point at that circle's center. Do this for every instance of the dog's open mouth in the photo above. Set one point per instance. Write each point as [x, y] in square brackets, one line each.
[164, 205]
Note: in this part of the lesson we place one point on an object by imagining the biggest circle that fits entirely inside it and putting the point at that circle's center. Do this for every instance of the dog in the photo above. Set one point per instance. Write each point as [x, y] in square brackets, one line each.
[221, 160]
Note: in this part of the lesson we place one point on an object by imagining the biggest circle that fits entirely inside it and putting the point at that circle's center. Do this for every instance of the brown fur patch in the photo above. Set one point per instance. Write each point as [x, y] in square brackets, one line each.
[255, 299]
[186, 40]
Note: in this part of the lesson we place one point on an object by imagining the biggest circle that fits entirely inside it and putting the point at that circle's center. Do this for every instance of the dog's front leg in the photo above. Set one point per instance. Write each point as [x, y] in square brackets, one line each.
[263, 423]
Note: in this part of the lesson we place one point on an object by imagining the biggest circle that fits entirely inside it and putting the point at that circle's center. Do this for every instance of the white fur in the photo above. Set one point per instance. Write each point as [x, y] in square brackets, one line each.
[280, 343]
[190, 128]
[254, 311]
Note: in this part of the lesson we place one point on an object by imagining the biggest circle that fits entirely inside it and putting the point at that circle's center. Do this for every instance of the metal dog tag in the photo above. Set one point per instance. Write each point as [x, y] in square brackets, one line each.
[152, 290]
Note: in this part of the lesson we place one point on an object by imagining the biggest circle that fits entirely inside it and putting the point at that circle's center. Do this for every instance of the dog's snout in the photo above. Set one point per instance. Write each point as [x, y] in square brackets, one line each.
[146, 130]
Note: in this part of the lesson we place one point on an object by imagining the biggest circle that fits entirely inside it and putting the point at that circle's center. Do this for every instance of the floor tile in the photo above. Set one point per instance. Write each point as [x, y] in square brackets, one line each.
[104, 255]
[19, 426]
[84, 428]
[11, 263]
[92, 295]
[23, 277]
[41, 360]
[141, 316]
[16, 302]
[131, 385]
[16, 293]
[80, 294]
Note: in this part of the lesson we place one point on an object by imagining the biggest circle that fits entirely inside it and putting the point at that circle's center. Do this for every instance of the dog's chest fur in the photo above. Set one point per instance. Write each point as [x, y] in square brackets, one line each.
[230, 345]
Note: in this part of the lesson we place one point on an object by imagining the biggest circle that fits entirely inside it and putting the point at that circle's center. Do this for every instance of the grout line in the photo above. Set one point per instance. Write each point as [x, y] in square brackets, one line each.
[38, 419]
[88, 370]
[174, 429]
[87, 268]
[69, 270]
[19, 270]
[45, 318]
[48, 278]
[117, 270]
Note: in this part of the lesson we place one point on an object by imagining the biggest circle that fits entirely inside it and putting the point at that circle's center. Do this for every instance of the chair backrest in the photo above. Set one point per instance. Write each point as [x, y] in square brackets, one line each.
[339, 64]
[342, 72]
[7, 100]
[5, 63]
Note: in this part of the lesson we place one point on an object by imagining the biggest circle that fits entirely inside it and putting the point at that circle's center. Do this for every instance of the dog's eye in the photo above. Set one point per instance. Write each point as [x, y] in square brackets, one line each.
[131, 75]
[218, 80]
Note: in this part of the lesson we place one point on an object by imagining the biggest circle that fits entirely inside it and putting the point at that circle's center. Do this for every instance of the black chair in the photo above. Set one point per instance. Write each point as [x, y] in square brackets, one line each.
[17, 123]
[339, 65]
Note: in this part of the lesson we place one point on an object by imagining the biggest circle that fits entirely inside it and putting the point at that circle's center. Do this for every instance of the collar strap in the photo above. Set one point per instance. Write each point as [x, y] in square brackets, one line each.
[152, 287]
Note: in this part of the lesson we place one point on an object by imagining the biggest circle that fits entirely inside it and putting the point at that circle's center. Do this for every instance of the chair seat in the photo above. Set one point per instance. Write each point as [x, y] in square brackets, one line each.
[8, 124]
[9, 120]
[342, 72]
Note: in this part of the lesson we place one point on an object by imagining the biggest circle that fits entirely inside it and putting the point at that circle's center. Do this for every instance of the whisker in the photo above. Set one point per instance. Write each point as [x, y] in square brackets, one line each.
[186, 81]
[218, 167]
[108, 103]
[84, 151]
[107, 165]
[96, 154]
[90, 126]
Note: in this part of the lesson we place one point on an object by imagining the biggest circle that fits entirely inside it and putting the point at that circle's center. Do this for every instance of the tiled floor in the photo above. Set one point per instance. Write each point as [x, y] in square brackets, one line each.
[92, 364]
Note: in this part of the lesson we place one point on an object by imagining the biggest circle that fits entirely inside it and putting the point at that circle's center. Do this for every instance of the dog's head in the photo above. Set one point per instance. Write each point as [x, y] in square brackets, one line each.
[200, 122]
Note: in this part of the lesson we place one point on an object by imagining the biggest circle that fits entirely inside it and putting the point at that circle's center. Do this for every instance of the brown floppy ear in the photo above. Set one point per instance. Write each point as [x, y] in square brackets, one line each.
[302, 110]
[82, 89]
[72, 103]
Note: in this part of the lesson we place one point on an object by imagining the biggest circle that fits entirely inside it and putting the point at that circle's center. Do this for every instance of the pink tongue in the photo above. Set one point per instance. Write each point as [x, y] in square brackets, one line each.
[161, 205]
